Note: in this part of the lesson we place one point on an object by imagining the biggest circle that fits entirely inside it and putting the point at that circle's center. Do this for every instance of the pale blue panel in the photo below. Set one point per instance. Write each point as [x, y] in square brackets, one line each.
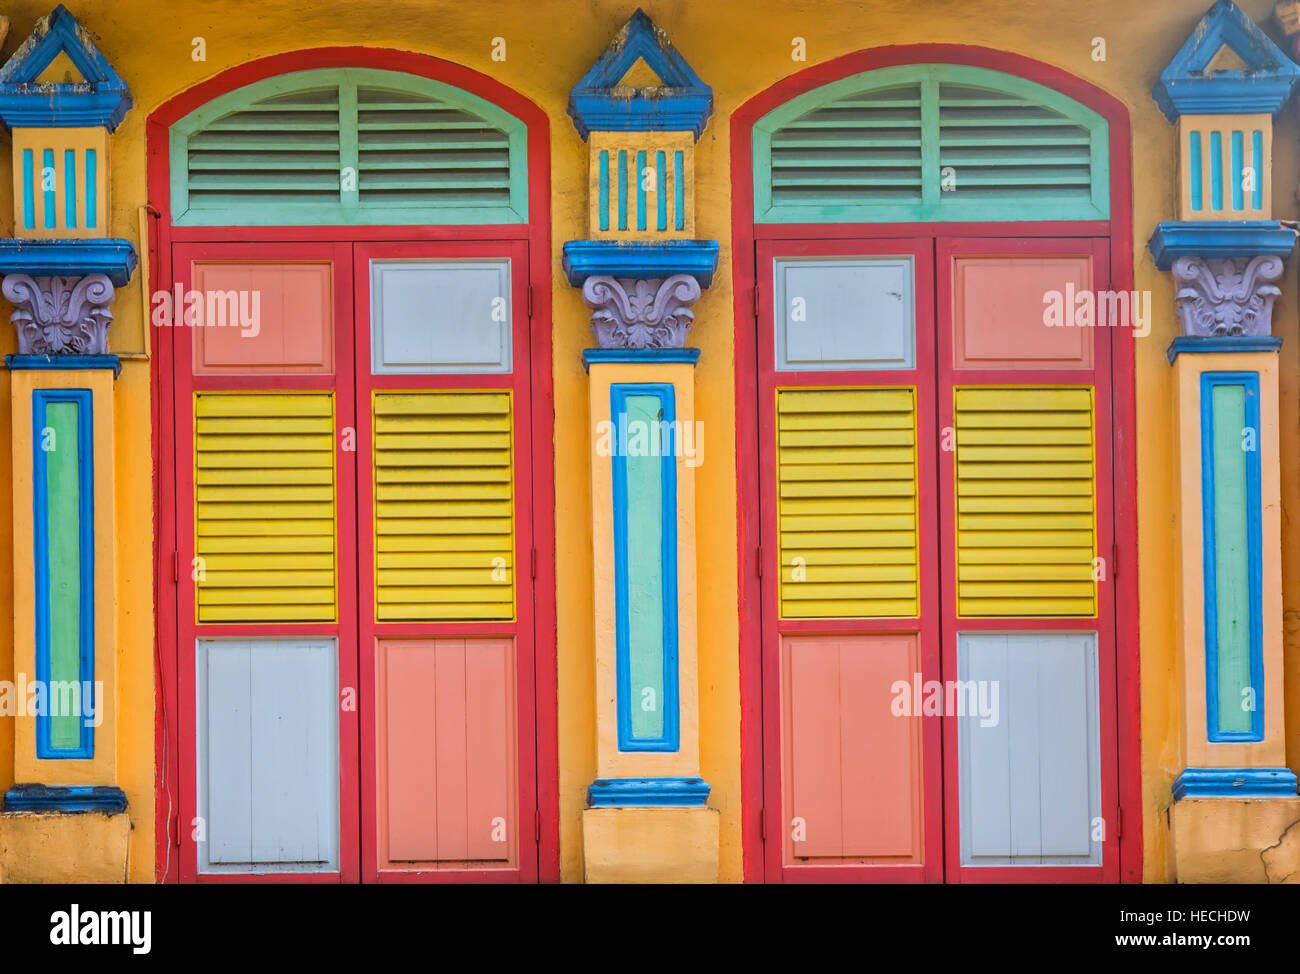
[440, 316]
[268, 763]
[845, 313]
[1030, 784]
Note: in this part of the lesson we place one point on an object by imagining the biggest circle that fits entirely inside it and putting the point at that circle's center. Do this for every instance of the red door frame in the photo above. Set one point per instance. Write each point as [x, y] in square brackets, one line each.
[536, 234]
[756, 761]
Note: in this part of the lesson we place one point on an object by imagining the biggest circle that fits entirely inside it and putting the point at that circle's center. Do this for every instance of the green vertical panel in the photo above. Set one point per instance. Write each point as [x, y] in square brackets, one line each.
[645, 569]
[63, 523]
[1232, 570]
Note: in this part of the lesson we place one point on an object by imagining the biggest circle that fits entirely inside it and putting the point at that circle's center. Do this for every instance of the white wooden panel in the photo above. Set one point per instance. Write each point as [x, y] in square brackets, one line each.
[440, 316]
[267, 731]
[848, 313]
[1030, 784]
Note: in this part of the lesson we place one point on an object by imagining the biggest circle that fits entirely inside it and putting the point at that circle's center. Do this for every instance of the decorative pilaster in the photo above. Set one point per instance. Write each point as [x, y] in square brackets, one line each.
[1226, 256]
[60, 272]
[641, 274]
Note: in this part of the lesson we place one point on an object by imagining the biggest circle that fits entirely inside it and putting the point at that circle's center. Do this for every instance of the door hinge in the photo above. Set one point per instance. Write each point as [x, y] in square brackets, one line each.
[178, 829]
[1114, 561]
[757, 301]
[532, 561]
[176, 566]
[530, 302]
[762, 824]
[758, 557]
[537, 824]
[1119, 822]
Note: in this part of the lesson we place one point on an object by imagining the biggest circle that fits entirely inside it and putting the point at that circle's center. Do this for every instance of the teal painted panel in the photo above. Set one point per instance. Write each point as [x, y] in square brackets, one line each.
[645, 569]
[63, 527]
[1232, 565]
[348, 146]
[928, 143]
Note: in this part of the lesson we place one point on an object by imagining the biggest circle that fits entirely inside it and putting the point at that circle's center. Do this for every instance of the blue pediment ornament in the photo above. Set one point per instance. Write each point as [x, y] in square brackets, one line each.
[100, 98]
[683, 103]
[1188, 86]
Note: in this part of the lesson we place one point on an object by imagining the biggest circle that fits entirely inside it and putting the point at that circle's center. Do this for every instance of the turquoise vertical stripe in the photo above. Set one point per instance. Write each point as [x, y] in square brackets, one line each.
[661, 192]
[679, 191]
[29, 192]
[622, 189]
[70, 188]
[1216, 170]
[1257, 161]
[604, 189]
[91, 201]
[1238, 172]
[640, 189]
[1195, 163]
[645, 565]
[47, 166]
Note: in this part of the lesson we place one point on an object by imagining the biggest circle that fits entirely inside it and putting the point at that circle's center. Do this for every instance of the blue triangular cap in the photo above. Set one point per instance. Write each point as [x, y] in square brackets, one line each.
[101, 98]
[682, 104]
[1265, 85]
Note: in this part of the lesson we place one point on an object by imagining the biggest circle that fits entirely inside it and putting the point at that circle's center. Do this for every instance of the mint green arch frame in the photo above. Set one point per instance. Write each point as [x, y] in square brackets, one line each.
[935, 205]
[348, 210]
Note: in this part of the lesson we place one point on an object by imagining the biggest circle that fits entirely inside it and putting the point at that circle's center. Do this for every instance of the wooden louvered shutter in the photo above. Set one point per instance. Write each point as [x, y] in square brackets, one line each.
[847, 492]
[346, 147]
[264, 507]
[1026, 505]
[444, 513]
[930, 142]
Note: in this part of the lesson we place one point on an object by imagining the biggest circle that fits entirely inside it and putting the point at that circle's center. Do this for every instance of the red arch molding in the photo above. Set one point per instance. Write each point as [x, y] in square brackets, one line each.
[1119, 230]
[538, 234]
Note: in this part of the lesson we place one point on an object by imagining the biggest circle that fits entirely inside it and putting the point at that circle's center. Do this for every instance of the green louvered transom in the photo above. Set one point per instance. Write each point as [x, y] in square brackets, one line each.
[351, 146]
[930, 142]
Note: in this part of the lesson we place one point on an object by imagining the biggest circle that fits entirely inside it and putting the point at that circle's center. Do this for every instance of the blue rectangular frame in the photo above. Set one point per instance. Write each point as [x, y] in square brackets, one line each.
[1254, 559]
[41, 398]
[671, 739]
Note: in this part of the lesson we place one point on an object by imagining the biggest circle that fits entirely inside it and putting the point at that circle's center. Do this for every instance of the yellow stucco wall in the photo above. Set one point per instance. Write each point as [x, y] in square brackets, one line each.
[739, 47]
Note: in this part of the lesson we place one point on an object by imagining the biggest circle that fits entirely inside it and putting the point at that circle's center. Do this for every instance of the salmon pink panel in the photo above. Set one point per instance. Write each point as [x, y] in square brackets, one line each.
[1024, 312]
[446, 752]
[852, 749]
[261, 318]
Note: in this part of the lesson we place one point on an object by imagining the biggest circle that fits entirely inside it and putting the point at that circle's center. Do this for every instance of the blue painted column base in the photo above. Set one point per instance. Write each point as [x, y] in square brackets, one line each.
[76, 798]
[607, 792]
[1235, 783]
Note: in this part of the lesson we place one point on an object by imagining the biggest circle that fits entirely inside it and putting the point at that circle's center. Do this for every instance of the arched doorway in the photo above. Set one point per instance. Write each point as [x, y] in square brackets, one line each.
[938, 557]
[355, 478]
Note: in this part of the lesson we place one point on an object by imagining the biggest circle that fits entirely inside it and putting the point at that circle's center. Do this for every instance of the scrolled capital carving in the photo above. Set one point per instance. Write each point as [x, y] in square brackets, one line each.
[60, 315]
[1226, 297]
[630, 313]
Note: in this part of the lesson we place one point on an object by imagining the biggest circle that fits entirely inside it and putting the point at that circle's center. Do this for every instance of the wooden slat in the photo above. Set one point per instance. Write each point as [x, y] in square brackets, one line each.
[264, 507]
[846, 496]
[1026, 509]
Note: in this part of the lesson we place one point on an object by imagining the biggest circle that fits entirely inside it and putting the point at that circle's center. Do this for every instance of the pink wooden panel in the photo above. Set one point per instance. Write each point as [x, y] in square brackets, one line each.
[407, 677]
[998, 311]
[853, 767]
[489, 693]
[450, 713]
[284, 324]
[447, 764]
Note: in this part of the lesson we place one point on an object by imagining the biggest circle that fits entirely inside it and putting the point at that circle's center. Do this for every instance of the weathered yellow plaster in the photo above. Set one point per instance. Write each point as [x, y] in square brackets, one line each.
[650, 845]
[1235, 840]
[82, 847]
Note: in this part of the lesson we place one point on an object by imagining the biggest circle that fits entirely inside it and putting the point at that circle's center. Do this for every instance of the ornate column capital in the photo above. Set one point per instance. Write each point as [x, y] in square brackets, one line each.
[633, 313]
[60, 315]
[1232, 296]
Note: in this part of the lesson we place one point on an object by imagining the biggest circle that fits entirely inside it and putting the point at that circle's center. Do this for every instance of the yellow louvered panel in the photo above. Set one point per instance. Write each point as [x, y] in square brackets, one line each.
[444, 506]
[264, 506]
[1026, 502]
[846, 507]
